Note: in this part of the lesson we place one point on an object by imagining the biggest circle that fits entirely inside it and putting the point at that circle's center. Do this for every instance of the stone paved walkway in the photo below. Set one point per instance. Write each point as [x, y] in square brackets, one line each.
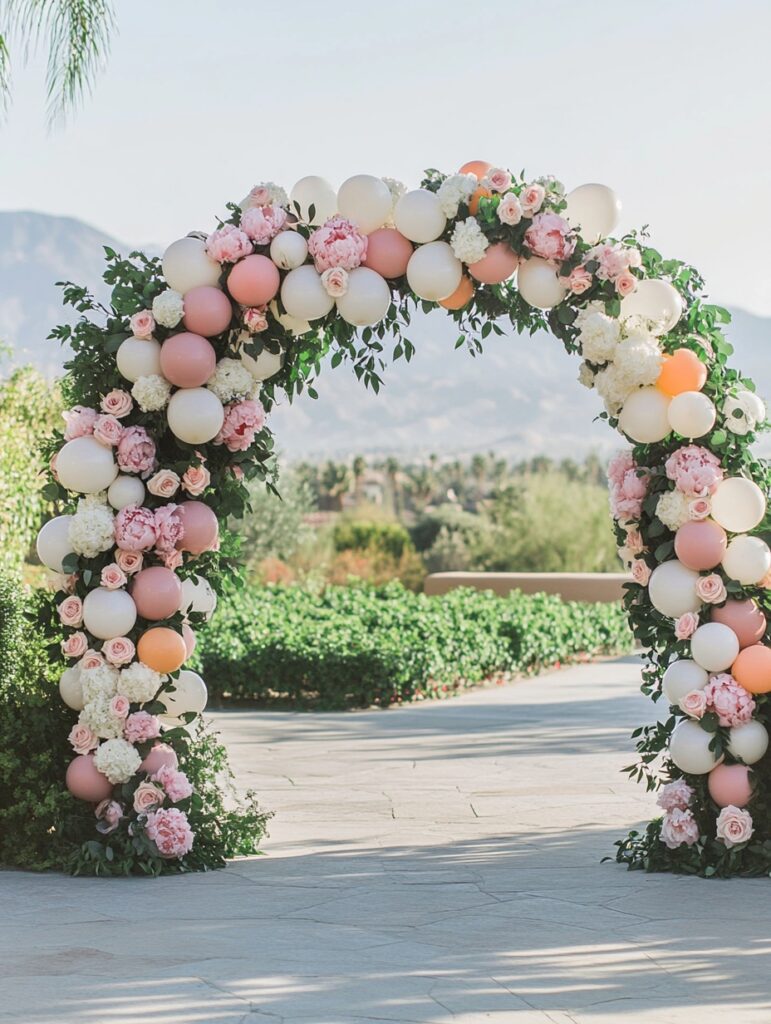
[439, 864]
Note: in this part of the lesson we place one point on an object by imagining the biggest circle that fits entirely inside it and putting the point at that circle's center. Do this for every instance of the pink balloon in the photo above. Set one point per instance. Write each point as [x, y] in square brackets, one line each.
[189, 637]
[700, 545]
[161, 754]
[207, 310]
[730, 784]
[201, 529]
[85, 781]
[254, 280]
[744, 618]
[187, 360]
[157, 593]
[388, 252]
[498, 264]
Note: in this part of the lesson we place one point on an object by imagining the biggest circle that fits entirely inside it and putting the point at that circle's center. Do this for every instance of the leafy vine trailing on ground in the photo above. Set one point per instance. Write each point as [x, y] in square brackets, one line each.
[302, 290]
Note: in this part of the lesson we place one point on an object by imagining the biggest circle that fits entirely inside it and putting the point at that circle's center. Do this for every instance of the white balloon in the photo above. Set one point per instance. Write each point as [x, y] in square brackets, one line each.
[139, 358]
[539, 284]
[419, 216]
[195, 415]
[86, 466]
[71, 688]
[316, 192]
[367, 299]
[53, 543]
[714, 647]
[740, 413]
[692, 414]
[681, 677]
[594, 209]
[126, 490]
[672, 589]
[198, 596]
[644, 416]
[747, 559]
[189, 694]
[434, 271]
[186, 265]
[304, 296]
[657, 301]
[294, 324]
[738, 504]
[366, 201]
[755, 405]
[288, 250]
[109, 613]
[266, 365]
[689, 748]
[748, 741]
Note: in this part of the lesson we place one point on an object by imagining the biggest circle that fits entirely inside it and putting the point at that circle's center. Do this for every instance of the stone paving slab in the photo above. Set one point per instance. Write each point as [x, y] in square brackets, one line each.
[437, 863]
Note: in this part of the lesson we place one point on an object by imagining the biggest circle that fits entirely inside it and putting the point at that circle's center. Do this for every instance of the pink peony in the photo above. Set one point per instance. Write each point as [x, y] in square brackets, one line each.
[117, 403]
[141, 726]
[532, 199]
[695, 470]
[164, 484]
[699, 508]
[262, 223]
[120, 706]
[119, 650]
[75, 645]
[109, 813]
[255, 319]
[641, 572]
[91, 659]
[170, 830]
[509, 210]
[694, 704]
[734, 826]
[147, 797]
[136, 451]
[679, 827]
[83, 740]
[108, 430]
[71, 612]
[135, 528]
[228, 245]
[732, 704]
[497, 180]
[677, 794]
[142, 324]
[625, 284]
[613, 262]
[711, 589]
[550, 237]
[195, 480]
[337, 243]
[578, 281]
[335, 281]
[129, 561]
[168, 528]
[79, 422]
[175, 783]
[686, 625]
[113, 577]
[242, 421]
[628, 486]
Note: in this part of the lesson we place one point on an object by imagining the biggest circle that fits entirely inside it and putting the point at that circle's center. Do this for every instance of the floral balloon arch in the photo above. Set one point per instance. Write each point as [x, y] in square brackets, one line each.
[169, 388]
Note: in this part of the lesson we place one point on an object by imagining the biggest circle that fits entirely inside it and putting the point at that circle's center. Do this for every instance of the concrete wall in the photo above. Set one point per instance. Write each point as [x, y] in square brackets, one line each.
[570, 586]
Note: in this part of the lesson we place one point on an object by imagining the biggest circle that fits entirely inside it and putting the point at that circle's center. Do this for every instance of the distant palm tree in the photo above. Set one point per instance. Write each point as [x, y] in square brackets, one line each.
[392, 472]
[359, 469]
[335, 481]
[76, 34]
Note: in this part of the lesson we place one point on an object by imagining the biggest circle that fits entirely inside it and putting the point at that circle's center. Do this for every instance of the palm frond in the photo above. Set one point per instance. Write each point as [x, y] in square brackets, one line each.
[5, 75]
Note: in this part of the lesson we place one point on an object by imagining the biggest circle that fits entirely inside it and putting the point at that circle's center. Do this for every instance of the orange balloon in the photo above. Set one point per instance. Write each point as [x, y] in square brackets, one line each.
[162, 649]
[476, 195]
[682, 371]
[461, 296]
[478, 167]
[752, 668]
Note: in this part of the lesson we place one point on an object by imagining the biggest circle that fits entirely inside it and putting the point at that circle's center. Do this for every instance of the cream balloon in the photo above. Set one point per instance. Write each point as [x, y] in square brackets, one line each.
[296, 325]
[689, 748]
[672, 589]
[366, 300]
[754, 404]
[418, 215]
[189, 694]
[288, 250]
[539, 284]
[198, 596]
[738, 504]
[71, 688]
[749, 741]
[656, 301]
[304, 296]
[53, 543]
[692, 414]
[714, 647]
[747, 559]
[86, 466]
[644, 416]
[434, 271]
[265, 365]
[681, 677]
[139, 358]
[316, 192]
[109, 613]
[186, 265]
[195, 415]
[126, 490]
[594, 209]
[366, 201]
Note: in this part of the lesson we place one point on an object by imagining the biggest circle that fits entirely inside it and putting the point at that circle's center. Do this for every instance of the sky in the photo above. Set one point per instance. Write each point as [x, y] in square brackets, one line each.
[665, 101]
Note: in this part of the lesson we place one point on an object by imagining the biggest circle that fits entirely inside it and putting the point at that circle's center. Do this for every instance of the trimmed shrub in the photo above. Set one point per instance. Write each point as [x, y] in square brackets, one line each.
[390, 539]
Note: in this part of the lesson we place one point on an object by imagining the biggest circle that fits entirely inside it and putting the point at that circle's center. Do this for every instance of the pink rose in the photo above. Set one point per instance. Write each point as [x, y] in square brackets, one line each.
[550, 237]
[679, 827]
[255, 319]
[109, 813]
[677, 794]
[91, 659]
[168, 528]
[626, 283]
[497, 180]
[142, 324]
[108, 430]
[175, 783]
[335, 281]
[337, 243]
[119, 650]
[694, 704]
[699, 508]
[195, 480]
[75, 645]
[578, 281]
[686, 625]
[71, 612]
[262, 223]
[695, 470]
[141, 726]
[113, 577]
[641, 572]
[79, 422]
[532, 199]
[82, 739]
[147, 797]
[228, 245]
[242, 421]
[237, 472]
[613, 262]
[732, 704]
[711, 589]
[135, 529]
[634, 542]
[129, 561]
[120, 706]
[170, 830]
[136, 451]
[117, 403]
[172, 559]
[509, 210]
[734, 826]
[164, 484]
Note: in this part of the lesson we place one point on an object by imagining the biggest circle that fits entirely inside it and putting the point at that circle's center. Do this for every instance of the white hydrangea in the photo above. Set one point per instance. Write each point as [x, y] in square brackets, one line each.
[102, 680]
[91, 529]
[139, 682]
[97, 715]
[614, 387]
[672, 509]
[468, 241]
[456, 189]
[599, 335]
[586, 375]
[151, 392]
[638, 358]
[230, 380]
[168, 308]
[118, 760]
[274, 193]
[397, 189]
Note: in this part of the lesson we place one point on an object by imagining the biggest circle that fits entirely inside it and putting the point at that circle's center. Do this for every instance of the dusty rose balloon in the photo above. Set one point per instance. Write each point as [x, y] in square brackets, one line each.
[207, 311]
[161, 755]
[157, 592]
[498, 264]
[85, 781]
[187, 360]
[189, 637]
[200, 527]
[254, 280]
[730, 784]
[388, 252]
[744, 618]
[701, 545]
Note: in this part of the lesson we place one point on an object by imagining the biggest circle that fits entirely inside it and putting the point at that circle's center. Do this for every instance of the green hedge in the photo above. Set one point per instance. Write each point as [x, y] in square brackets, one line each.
[358, 646]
